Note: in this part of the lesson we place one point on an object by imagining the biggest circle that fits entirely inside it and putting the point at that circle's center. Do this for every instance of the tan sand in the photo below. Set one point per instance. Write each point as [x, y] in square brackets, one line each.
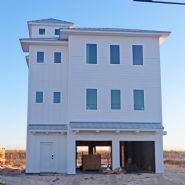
[168, 178]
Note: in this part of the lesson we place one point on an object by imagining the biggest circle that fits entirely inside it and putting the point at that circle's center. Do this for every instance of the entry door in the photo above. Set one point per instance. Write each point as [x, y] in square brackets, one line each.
[46, 157]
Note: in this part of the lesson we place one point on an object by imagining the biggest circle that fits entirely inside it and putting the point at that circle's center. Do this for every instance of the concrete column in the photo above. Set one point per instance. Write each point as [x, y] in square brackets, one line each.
[115, 154]
[71, 161]
[159, 165]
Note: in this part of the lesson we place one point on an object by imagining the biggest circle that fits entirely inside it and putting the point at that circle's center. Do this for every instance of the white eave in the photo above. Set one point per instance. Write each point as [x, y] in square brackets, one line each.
[25, 43]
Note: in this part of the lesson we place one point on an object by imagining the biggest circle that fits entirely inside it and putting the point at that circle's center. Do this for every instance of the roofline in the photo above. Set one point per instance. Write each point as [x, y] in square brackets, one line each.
[26, 42]
[161, 34]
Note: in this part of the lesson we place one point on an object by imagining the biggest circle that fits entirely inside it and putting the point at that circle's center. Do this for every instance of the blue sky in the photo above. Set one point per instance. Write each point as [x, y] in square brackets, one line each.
[88, 13]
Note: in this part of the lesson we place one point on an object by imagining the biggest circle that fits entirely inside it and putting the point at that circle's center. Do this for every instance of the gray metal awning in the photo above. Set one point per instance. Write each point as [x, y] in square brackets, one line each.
[115, 126]
[48, 128]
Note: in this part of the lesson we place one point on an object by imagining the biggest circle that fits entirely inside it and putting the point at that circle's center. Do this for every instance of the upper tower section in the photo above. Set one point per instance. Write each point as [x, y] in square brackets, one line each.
[47, 28]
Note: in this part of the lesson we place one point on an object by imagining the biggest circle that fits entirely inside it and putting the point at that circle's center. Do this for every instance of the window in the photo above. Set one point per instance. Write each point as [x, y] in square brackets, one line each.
[56, 97]
[138, 99]
[57, 31]
[39, 97]
[115, 99]
[137, 52]
[41, 31]
[91, 54]
[40, 57]
[57, 57]
[91, 99]
[114, 54]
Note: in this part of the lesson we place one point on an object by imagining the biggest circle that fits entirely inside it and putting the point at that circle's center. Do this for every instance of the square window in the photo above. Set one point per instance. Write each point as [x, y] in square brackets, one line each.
[91, 53]
[56, 97]
[91, 99]
[137, 52]
[57, 31]
[114, 54]
[39, 97]
[40, 57]
[41, 31]
[57, 57]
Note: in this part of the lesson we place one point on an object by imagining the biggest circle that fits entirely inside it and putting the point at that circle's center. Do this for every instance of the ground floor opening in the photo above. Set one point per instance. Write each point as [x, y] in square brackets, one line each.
[93, 155]
[137, 156]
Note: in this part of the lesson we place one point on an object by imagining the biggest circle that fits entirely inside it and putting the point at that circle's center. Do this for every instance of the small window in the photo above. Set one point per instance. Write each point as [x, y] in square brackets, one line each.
[137, 52]
[115, 99]
[57, 31]
[40, 57]
[57, 57]
[91, 54]
[138, 99]
[39, 97]
[41, 31]
[56, 97]
[91, 99]
[114, 54]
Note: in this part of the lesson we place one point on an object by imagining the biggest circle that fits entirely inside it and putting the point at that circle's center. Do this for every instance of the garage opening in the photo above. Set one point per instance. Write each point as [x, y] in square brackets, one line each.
[137, 156]
[93, 155]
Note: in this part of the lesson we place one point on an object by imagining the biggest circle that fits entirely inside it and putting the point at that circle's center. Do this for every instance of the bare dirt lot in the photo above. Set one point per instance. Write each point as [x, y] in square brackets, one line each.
[168, 178]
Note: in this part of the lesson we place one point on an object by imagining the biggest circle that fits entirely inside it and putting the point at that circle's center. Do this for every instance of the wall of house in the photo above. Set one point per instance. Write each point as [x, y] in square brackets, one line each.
[33, 161]
[47, 77]
[105, 76]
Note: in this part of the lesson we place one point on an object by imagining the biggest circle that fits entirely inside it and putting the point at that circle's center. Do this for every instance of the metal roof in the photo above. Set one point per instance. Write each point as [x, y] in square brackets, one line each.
[44, 127]
[115, 126]
[50, 21]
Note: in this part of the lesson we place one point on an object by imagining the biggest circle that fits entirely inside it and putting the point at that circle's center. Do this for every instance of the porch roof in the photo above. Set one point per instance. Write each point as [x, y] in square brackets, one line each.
[115, 126]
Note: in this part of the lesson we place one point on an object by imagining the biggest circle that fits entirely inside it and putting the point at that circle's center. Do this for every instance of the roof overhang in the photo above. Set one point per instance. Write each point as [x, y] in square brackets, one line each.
[162, 35]
[25, 43]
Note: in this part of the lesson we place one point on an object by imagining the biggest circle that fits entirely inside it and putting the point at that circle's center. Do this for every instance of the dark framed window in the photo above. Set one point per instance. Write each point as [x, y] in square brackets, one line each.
[114, 54]
[39, 97]
[57, 31]
[138, 99]
[137, 52]
[115, 99]
[56, 97]
[42, 31]
[91, 99]
[91, 53]
[40, 57]
[57, 57]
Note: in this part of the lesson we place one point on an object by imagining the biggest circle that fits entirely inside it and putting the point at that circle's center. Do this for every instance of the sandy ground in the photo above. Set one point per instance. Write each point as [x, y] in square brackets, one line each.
[168, 178]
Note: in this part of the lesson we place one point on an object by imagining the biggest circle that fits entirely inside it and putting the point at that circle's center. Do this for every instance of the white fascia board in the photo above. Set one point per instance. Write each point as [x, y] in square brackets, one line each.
[26, 42]
[161, 35]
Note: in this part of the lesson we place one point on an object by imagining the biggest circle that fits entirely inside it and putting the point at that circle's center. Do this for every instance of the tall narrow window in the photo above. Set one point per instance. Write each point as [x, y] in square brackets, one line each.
[57, 57]
[138, 99]
[91, 99]
[57, 31]
[91, 54]
[137, 52]
[115, 99]
[114, 54]
[39, 97]
[41, 31]
[56, 97]
[40, 57]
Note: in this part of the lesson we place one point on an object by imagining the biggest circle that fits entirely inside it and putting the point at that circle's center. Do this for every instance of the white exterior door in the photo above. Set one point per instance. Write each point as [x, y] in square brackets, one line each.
[46, 157]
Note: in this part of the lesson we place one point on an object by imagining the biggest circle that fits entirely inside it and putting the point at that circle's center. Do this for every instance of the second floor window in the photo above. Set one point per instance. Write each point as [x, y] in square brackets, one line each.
[41, 31]
[40, 57]
[114, 54]
[138, 99]
[57, 57]
[57, 31]
[56, 97]
[91, 54]
[115, 99]
[137, 52]
[91, 99]
[39, 97]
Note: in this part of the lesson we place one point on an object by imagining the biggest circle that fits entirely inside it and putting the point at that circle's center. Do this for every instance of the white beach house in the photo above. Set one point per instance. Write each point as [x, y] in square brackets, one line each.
[91, 88]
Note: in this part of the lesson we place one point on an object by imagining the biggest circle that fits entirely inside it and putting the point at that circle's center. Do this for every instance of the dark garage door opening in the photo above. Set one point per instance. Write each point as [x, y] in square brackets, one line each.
[137, 156]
